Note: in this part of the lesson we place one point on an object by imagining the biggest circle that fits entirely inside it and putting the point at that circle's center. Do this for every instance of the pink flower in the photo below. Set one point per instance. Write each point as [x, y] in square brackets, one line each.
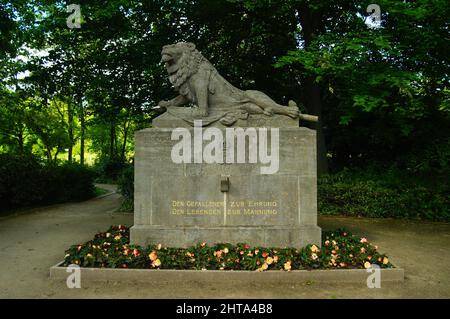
[363, 240]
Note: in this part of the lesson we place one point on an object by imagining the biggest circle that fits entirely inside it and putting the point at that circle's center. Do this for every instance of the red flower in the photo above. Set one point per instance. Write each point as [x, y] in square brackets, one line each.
[265, 254]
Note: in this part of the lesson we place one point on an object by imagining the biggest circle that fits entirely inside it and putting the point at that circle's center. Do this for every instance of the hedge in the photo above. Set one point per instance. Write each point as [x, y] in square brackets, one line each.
[24, 182]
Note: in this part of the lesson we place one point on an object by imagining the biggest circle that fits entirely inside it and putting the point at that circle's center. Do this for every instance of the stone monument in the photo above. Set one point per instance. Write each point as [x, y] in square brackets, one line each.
[232, 167]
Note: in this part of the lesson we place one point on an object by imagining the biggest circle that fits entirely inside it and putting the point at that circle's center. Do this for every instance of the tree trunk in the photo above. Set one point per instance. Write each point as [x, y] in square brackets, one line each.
[112, 139]
[314, 106]
[125, 136]
[20, 141]
[70, 129]
[82, 131]
[49, 155]
[310, 20]
[55, 157]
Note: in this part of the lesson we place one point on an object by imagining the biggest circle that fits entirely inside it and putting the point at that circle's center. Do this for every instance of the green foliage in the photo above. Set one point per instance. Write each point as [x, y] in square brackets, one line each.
[108, 169]
[391, 193]
[24, 182]
[112, 249]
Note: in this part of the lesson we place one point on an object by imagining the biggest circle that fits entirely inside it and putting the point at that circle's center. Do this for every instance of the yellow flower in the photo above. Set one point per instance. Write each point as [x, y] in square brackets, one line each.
[225, 250]
[287, 266]
[159, 246]
[385, 261]
[153, 256]
[367, 265]
[327, 242]
[118, 237]
[314, 256]
[265, 266]
[156, 263]
[314, 249]
[269, 260]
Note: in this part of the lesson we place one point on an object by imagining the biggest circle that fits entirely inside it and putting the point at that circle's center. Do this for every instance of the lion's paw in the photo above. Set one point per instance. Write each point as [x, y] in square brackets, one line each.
[292, 112]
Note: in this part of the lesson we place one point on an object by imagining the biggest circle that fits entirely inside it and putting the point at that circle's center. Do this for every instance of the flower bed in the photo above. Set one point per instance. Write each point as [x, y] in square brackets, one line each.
[112, 249]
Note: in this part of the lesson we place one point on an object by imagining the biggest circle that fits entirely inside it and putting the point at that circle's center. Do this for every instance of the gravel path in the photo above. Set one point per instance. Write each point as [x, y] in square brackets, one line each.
[31, 242]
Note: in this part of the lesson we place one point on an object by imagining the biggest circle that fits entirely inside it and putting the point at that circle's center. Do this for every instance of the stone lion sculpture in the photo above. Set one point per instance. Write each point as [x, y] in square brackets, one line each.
[198, 82]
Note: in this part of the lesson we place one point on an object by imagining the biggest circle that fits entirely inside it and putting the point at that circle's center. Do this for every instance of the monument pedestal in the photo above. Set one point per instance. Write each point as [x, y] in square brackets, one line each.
[180, 205]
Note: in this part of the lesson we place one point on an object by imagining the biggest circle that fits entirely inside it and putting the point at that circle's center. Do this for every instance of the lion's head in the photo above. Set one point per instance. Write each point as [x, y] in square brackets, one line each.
[181, 61]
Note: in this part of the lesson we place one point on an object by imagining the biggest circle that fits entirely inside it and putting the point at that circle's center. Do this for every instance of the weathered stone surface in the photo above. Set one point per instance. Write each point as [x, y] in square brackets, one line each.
[167, 120]
[236, 277]
[182, 204]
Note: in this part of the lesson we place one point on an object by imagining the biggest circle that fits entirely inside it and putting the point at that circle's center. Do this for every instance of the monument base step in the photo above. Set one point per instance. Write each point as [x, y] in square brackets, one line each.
[265, 236]
[212, 277]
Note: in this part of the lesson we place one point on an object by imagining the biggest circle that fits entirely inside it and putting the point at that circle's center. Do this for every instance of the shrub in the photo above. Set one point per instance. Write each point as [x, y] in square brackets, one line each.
[24, 181]
[76, 181]
[391, 193]
[108, 169]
